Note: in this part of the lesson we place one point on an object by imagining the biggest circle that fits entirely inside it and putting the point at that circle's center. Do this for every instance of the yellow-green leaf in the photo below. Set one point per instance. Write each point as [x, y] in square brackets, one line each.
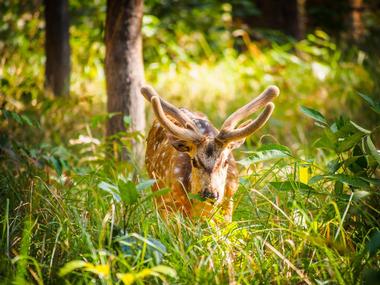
[304, 174]
[126, 278]
[165, 270]
[72, 265]
[100, 270]
[374, 152]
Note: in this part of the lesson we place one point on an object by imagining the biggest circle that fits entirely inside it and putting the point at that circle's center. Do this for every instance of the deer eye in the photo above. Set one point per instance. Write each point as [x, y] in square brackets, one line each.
[194, 163]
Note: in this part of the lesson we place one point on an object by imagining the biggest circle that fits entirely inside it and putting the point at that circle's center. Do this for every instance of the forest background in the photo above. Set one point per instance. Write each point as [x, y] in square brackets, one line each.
[307, 210]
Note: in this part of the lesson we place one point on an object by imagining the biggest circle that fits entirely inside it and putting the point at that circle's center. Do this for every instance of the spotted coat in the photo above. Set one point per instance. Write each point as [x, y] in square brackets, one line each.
[173, 169]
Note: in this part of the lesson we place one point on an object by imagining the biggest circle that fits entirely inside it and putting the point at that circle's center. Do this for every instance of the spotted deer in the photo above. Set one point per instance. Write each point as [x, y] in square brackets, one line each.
[186, 153]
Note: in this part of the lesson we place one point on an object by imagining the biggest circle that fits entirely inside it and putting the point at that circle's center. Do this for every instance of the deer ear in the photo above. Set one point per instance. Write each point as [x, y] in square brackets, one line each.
[180, 145]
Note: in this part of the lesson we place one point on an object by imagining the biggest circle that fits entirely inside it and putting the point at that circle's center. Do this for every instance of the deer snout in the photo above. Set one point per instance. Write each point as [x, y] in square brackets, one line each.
[207, 194]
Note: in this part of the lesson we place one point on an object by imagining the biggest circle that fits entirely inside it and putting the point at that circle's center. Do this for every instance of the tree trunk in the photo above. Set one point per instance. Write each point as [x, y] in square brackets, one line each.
[292, 17]
[57, 47]
[287, 16]
[124, 67]
[329, 16]
[357, 27]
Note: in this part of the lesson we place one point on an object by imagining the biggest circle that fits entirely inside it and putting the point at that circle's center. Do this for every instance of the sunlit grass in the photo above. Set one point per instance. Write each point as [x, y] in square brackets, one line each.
[312, 73]
[59, 225]
[287, 236]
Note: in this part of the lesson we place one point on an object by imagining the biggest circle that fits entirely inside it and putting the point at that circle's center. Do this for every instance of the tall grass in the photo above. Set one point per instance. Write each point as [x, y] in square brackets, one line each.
[307, 208]
[67, 224]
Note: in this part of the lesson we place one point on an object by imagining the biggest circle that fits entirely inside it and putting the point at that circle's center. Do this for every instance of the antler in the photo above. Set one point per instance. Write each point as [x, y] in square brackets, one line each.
[182, 133]
[247, 128]
[268, 95]
[228, 132]
[168, 108]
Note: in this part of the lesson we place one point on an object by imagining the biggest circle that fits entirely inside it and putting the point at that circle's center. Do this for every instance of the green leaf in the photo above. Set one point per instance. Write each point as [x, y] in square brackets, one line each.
[145, 184]
[344, 128]
[165, 270]
[128, 192]
[17, 118]
[264, 153]
[157, 193]
[71, 266]
[327, 141]
[278, 147]
[161, 192]
[334, 165]
[130, 278]
[372, 181]
[372, 149]
[56, 164]
[127, 120]
[375, 106]
[98, 119]
[27, 120]
[314, 114]
[349, 142]
[361, 129]
[374, 243]
[316, 179]
[5, 114]
[293, 185]
[110, 188]
[355, 181]
[338, 188]
[350, 180]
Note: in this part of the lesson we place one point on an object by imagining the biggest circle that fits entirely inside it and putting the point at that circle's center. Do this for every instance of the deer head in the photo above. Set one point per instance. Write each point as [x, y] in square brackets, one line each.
[209, 151]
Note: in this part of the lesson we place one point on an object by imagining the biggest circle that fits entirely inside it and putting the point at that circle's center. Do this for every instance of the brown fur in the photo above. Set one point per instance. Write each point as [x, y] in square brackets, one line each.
[190, 156]
[172, 168]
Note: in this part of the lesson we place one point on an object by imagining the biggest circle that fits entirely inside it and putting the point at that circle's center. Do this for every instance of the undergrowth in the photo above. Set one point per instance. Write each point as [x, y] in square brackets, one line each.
[70, 214]
[307, 209]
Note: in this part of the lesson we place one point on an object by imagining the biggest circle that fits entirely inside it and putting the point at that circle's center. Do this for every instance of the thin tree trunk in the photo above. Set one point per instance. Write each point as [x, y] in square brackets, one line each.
[124, 67]
[287, 16]
[357, 27]
[57, 47]
[301, 19]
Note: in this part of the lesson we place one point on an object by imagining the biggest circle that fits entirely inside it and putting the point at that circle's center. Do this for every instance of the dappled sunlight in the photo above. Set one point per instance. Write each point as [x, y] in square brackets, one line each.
[78, 206]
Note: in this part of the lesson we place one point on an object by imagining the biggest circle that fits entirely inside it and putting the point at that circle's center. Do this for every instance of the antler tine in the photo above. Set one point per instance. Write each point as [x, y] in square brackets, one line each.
[247, 128]
[168, 108]
[268, 95]
[177, 131]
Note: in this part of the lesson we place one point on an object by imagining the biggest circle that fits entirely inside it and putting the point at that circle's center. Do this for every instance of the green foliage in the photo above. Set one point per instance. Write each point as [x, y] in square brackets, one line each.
[78, 211]
[307, 209]
[313, 72]
[264, 153]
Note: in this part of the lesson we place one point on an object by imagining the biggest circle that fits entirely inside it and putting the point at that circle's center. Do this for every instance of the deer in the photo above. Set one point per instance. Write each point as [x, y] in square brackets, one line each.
[188, 155]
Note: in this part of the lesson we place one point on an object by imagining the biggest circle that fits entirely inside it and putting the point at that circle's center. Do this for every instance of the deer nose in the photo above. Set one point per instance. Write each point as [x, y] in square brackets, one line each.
[207, 194]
